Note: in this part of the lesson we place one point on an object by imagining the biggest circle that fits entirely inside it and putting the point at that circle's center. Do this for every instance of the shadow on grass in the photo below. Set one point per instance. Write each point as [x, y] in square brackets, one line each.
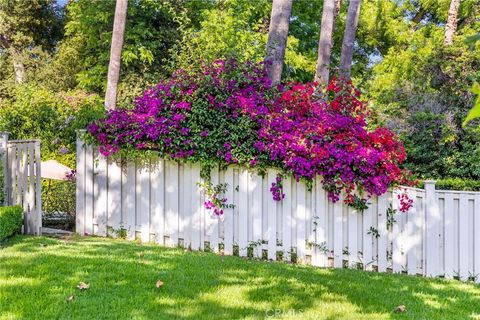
[38, 274]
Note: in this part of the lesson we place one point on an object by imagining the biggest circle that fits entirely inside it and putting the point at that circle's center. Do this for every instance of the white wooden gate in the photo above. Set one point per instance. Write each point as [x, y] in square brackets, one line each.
[438, 236]
[22, 179]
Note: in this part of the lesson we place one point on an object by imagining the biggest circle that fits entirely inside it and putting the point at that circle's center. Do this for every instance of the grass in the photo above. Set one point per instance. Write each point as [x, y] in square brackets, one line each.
[37, 275]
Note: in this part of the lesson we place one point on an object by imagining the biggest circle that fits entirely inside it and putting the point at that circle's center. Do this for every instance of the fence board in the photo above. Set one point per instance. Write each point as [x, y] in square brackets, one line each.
[128, 200]
[463, 245]
[255, 186]
[321, 207]
[300, 217]
[287, 219]
[338, 233]
[100, 192]
[243, 213]
[114, 203]
[171, 202]
[449, 236]
[272, 218]
[158, 202]
[382, 242]
[229, 213]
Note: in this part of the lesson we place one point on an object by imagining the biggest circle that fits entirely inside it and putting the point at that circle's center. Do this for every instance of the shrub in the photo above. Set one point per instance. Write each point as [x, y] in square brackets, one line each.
[37, 113]
[11, 220]
[229, 113]
[456, 184]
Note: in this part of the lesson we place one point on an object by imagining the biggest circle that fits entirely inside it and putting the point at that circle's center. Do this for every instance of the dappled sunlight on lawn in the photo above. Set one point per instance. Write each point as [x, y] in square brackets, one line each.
[122, 277]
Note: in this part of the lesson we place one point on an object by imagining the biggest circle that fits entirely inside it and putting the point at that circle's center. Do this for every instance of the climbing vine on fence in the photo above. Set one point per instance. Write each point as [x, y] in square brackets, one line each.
[229, 113]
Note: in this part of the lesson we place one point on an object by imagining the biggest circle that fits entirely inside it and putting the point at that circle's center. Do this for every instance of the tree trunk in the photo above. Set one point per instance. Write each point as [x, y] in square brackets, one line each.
[325, 42]
[349, 38]
[451, 25]
[116, 54]
[17, 59]
[277, 38]
[18, 66]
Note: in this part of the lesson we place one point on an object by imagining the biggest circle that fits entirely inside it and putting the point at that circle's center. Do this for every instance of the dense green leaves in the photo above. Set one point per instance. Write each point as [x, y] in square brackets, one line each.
[11, 220]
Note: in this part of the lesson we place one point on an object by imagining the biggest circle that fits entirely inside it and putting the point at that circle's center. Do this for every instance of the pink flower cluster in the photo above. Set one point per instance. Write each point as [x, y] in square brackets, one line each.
[228, 112]
[211, 205]
[310, 135]
[405, 202]
[276, 189]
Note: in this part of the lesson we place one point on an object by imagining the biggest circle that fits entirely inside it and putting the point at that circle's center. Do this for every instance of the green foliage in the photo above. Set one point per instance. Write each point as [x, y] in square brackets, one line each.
[421, 90]
[237, 29]
[27, 24]
[475, 111]
[456, 184]
[151, 29]
[11, 220]
[37, 113]
[58, 204]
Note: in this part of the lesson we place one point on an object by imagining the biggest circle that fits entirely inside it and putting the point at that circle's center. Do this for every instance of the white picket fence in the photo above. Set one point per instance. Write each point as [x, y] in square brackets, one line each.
[21, 166]
[164, 204]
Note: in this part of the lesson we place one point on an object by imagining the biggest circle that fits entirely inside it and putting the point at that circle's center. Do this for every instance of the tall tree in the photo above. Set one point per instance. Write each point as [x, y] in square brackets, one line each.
[277, 38]
[325, 42]
[451, 25]
[116, 54]
[349, 38]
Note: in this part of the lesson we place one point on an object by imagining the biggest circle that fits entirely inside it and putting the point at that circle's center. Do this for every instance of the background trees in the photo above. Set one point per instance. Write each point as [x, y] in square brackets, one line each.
[417, 82]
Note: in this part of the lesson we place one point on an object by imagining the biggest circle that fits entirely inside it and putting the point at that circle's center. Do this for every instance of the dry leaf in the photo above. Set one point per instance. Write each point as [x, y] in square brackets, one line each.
[159, 283]
[400, 309]
[83, 286]
[70, 298]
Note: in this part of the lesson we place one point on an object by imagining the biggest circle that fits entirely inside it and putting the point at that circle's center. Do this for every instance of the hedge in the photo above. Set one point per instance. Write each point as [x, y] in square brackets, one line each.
[11, 219]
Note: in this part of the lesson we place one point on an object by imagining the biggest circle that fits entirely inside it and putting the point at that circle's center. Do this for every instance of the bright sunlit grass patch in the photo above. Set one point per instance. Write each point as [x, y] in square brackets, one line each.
[38, 275]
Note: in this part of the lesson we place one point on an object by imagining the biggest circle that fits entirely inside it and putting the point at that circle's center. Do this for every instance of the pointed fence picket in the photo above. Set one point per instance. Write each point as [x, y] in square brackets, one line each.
[163, 202]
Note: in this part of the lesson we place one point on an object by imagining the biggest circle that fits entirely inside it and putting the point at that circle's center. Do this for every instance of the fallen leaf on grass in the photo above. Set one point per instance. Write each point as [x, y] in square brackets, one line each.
[70, 299]
[400, 309]
[159, 283]
[83, 286]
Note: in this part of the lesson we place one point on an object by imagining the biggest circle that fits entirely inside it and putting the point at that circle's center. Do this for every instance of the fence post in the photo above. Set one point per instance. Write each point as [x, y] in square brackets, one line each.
[432, 222]
[80, 184]
[4, 163]
[38, 190]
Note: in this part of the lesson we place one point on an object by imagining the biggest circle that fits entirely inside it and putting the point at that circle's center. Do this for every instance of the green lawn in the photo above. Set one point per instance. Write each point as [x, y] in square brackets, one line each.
[37, 275]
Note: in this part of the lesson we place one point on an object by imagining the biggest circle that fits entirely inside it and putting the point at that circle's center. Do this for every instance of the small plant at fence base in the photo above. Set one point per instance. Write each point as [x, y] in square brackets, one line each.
[215, 199]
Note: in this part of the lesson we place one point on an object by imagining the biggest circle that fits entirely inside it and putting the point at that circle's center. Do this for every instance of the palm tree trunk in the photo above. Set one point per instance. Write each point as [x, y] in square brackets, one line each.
[451, 25]
[116, 54]
[18, 65]
[277, 38]
[325, 42]
[349, 38]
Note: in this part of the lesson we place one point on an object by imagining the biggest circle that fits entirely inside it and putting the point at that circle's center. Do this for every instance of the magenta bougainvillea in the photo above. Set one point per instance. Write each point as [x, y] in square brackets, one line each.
[229, 112]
